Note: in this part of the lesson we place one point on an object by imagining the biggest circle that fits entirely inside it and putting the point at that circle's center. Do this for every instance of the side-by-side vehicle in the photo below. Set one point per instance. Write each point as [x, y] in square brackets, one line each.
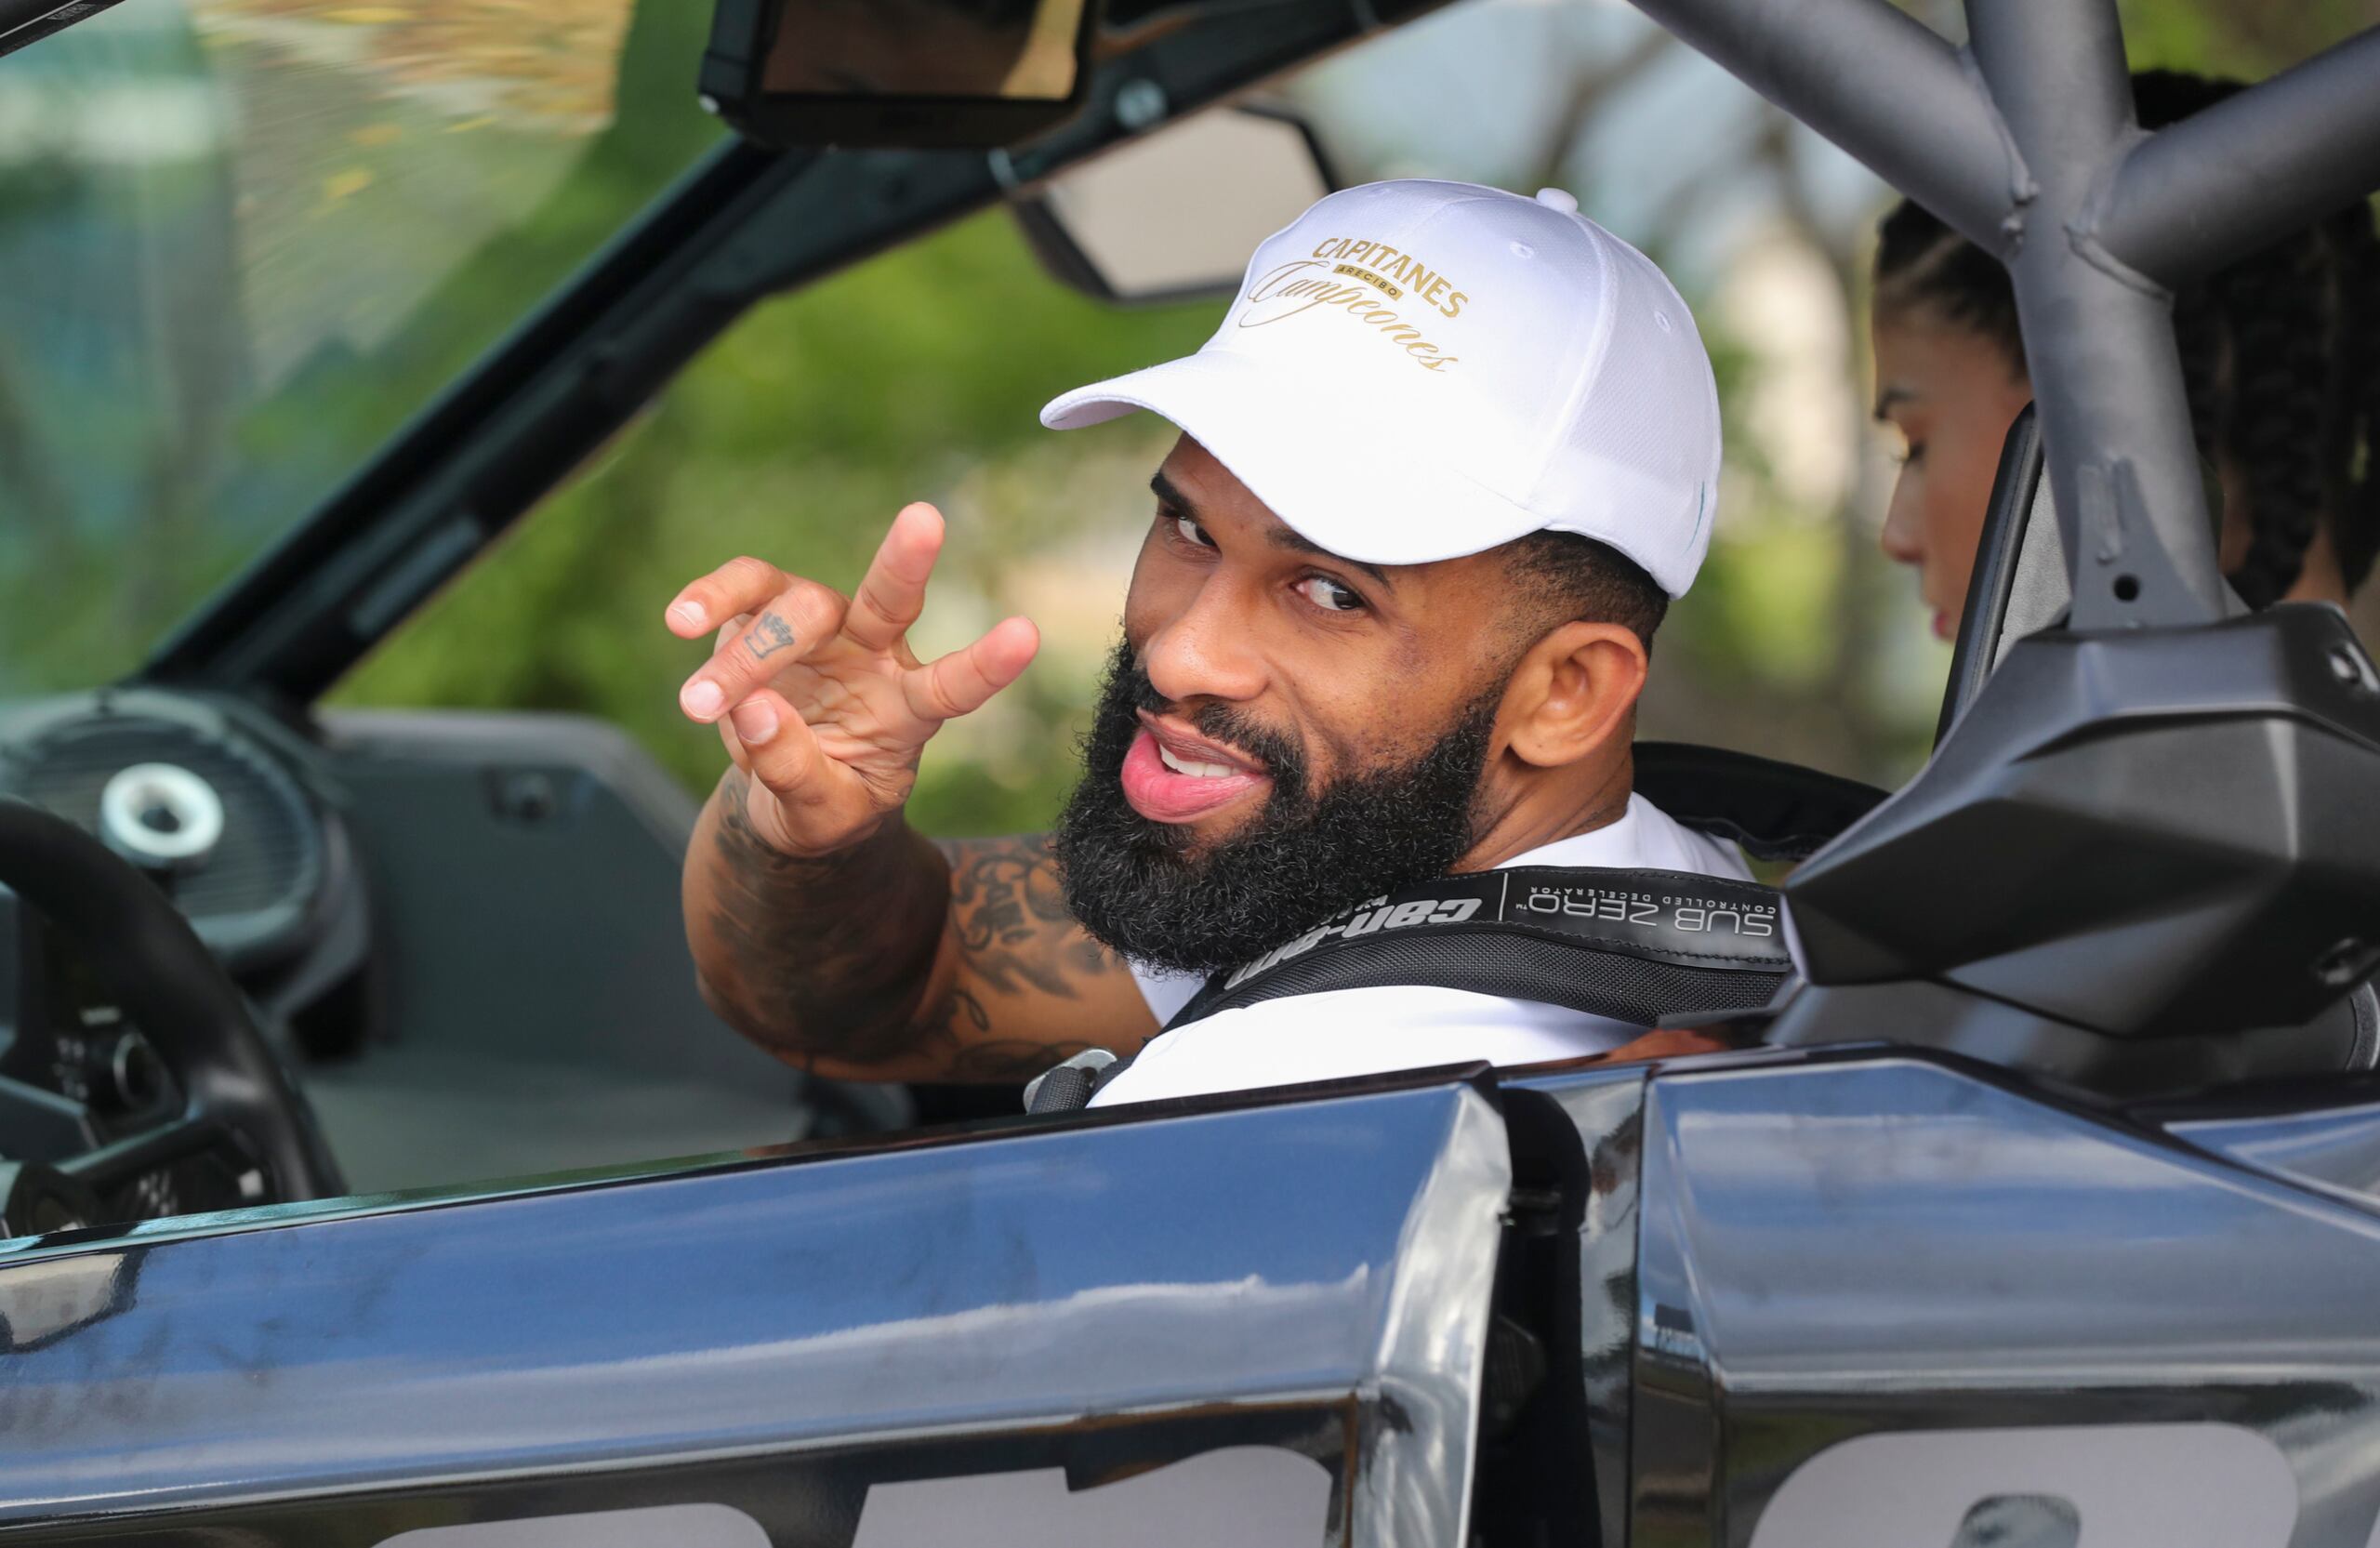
[2042, 1205]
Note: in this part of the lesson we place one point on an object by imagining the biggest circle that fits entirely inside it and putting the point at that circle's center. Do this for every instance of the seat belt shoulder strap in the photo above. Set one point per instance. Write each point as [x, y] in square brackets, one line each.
[1658, 934]
[1632, 946]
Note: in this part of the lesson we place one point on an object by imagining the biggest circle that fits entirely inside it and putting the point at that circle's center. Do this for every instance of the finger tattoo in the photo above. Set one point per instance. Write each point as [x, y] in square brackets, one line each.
[770, 635]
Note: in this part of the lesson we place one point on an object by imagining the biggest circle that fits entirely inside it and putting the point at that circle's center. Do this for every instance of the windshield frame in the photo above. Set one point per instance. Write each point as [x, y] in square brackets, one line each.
[745, 223]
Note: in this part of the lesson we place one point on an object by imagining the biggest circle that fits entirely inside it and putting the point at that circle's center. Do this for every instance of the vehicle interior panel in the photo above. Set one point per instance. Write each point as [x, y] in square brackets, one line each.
[541, 1005]
[459, 933]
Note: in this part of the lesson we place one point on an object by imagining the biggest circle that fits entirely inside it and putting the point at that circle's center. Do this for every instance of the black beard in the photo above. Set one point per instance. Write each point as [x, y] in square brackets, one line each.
[1136, 886]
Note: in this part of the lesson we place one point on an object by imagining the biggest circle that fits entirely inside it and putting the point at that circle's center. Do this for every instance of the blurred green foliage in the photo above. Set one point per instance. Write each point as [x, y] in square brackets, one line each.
[2249, 39]
[795, 439]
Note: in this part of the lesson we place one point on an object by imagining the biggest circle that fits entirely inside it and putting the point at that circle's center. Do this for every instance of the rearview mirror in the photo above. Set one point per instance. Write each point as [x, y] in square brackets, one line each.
[1175, 214]
[926, 74]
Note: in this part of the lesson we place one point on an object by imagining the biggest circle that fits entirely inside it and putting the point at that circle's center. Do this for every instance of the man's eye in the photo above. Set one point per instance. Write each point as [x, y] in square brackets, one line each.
[1190, 532]
[1329, 594]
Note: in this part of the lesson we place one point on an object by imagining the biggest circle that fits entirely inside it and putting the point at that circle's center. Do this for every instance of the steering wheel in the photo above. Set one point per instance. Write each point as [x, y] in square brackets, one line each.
[171, 987]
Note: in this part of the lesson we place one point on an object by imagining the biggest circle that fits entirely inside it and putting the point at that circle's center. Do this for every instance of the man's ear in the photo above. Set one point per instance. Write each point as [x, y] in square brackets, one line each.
[1573, 692]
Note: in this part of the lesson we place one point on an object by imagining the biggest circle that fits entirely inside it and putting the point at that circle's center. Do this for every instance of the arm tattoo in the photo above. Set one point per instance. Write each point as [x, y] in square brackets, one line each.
[826, 956]
[742, 848]
[768, 636]
[832, 958]
[1014, 931]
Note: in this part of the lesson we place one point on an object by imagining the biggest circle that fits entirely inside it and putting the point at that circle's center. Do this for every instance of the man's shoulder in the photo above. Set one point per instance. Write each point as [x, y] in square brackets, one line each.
[1642, 838]
[1167, 990]
[1701, 852]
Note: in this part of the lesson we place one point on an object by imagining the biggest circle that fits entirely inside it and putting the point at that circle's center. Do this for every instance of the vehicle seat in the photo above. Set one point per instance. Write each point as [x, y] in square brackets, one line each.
[1776, 810]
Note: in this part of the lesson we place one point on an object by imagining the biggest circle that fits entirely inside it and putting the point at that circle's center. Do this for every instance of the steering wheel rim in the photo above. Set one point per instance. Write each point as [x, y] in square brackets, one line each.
[179, 996]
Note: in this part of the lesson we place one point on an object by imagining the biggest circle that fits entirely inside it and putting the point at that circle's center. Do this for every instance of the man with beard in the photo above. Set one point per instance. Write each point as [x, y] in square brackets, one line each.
[1441, 469]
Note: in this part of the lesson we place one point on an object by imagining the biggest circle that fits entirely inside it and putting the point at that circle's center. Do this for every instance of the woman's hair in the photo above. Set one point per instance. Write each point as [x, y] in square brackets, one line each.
[2281, 358]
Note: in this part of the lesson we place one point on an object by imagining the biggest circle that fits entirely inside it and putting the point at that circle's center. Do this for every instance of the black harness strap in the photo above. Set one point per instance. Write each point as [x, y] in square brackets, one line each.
[1633, 945]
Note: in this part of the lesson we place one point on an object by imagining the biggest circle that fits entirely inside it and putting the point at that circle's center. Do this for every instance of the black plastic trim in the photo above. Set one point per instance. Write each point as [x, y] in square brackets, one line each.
[1979, 646]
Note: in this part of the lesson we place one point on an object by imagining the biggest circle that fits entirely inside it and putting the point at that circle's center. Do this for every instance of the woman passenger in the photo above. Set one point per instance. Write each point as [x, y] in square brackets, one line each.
[2280, 360]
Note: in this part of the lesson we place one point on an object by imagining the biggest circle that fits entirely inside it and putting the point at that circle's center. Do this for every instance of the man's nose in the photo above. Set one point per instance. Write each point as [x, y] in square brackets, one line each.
[1207, 650]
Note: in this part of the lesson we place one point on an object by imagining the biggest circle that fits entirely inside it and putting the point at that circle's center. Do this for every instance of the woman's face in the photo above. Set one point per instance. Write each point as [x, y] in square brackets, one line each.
[1952, 393]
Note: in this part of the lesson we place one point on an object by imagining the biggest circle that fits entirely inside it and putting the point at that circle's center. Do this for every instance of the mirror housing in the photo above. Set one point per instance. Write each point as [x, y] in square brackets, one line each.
[1173, 215]
[915, 73]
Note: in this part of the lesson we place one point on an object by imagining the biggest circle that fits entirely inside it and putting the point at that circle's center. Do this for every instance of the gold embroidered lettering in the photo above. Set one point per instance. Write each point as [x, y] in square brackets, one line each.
[1372, 279]
[1303, 284]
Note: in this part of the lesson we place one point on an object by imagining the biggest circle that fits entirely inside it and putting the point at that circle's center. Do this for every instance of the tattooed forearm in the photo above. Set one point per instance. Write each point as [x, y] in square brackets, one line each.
[1011, 917]
[744, 848]
[896, 955]
[768, 636]
[824, 958]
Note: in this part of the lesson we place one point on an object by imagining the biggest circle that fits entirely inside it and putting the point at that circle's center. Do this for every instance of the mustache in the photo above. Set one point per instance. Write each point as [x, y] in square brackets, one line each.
[1281, 755]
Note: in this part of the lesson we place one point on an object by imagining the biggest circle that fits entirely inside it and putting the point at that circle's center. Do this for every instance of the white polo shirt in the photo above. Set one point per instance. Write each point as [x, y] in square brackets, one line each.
[1344, 1032]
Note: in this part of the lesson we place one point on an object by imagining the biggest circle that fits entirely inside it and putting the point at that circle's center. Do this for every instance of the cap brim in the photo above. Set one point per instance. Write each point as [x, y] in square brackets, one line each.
[1330, 474]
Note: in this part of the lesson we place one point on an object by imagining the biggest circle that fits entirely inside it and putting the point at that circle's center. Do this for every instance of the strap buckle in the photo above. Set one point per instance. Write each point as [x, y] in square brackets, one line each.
[1067, 1087]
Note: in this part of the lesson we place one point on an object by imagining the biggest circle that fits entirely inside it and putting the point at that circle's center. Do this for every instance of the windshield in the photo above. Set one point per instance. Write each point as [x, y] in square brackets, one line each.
[243, 241]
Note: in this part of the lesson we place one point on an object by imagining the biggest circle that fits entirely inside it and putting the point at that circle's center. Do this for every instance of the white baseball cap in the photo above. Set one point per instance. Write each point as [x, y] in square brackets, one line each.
[1418, 370]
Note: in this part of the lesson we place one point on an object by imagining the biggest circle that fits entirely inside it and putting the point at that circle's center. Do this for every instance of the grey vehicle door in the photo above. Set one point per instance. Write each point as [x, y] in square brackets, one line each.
[1261, 1324]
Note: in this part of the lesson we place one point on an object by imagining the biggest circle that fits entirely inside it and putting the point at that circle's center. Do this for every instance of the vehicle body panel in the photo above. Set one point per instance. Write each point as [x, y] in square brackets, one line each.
[1785, 1259]
[1311, 1274]
[1893, 1244]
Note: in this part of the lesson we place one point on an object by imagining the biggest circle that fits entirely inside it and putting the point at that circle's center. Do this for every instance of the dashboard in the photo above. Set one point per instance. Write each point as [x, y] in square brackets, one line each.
[225, 825]
[458, 932]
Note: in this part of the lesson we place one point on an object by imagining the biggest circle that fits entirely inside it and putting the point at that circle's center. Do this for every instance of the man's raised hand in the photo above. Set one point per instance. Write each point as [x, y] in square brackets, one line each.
[818, 696]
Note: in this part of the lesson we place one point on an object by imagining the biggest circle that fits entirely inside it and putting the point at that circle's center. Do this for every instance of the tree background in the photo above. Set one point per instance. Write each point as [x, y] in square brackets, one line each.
[356, 200]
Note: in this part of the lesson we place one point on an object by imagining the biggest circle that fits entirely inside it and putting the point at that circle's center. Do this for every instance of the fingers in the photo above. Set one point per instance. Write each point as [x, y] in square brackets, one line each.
[780, 751]
[959, 683]
[738, 586]
[818, 798]
[894, 591]
[732, 743]
[784, 628]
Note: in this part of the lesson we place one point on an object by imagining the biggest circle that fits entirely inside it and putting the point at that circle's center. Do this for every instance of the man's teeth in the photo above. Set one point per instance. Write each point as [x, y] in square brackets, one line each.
[1196, 770]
